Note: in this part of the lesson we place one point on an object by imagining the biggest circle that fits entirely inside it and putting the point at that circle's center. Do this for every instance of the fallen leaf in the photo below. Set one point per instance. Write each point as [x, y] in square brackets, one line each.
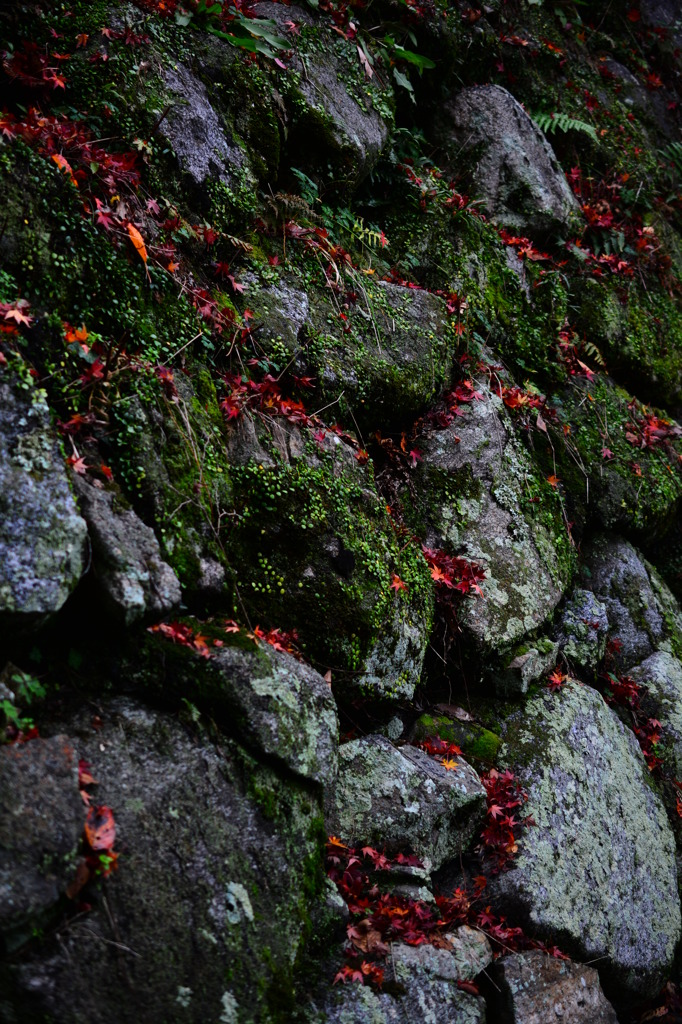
[138, 241]
[100, 828]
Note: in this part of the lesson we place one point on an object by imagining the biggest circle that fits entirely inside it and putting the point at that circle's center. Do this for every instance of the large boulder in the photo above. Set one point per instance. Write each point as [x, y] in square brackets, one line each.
[533, 988]
[403, 799]
[41, 822]
[469, 496]
[597, 873]
[42, 536]
[514, 168]
[132, 579]
[220, 865]
[643, 615]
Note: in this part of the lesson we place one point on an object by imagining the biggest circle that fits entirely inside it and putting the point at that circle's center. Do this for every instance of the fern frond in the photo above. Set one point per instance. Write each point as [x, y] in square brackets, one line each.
[548, 123]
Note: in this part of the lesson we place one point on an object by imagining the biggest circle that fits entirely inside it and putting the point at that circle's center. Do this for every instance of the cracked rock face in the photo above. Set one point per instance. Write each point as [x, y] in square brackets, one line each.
[597, 872]
[42, 536]
[405, 800]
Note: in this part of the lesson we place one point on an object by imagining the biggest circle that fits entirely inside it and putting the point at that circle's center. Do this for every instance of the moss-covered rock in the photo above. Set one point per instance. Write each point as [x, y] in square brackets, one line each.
[596, 873]
[618, 482]
[310, 534]
[382, 360]
[639, 333]
[478, 743]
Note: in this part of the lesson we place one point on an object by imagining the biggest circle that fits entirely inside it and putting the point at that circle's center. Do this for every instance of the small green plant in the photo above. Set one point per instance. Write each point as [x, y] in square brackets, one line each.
[257, 35]
[19, 690]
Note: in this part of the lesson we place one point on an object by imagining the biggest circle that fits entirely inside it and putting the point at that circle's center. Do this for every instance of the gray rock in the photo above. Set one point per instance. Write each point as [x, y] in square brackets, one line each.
[469, 489]
[516, 171]
[527, 664]
[41, 822]
[126, 561]
[266, 698]
[220, 864]
[533, 988]
[642, 612]
[432, 1002]
[195, 131]
[582, 630]
[661, 676]
[42, 537]
[405, 800]
[597, 874]
[469, 954]
[423, 982]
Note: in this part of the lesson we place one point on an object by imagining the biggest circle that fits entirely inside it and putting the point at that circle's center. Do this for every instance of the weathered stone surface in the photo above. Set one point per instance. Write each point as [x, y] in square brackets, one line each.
[661, 677]
[405, 800]
[126, 560]
[270, 701]
[468, 498]
[41, 822]
[583, 629]
[597, 874]
[533, 988]
[42, 537]
[220, 864]
[423, 981]
[642, 612]
[526, 665]
[516, 171]
[195, 131]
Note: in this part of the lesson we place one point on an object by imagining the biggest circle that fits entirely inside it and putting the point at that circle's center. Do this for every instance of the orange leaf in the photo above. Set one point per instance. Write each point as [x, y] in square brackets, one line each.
[64, 165]
[138, 241]
[100, 828]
